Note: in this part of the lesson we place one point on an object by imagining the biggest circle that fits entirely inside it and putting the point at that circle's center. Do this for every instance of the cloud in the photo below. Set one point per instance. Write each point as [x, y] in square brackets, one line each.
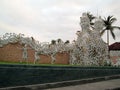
[7, 27]
[51, 19]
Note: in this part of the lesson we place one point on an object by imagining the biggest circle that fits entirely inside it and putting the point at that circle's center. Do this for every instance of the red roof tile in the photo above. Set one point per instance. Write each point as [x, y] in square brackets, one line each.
[114, 46]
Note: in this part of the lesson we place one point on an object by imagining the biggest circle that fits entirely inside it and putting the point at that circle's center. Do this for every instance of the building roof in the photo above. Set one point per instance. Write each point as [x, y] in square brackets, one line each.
[114, 46]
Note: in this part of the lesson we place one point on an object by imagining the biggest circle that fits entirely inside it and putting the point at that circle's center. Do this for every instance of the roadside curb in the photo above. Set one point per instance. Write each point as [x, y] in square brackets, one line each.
[62, 84]
[117, 88]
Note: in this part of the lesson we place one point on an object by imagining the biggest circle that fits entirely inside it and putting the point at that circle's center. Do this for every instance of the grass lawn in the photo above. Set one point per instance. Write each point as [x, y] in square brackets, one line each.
[31, 64]
[25, 63]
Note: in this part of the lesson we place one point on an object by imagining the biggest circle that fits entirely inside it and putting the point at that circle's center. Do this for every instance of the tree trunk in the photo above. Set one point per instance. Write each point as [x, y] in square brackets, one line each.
[108, 37]
[108, 43]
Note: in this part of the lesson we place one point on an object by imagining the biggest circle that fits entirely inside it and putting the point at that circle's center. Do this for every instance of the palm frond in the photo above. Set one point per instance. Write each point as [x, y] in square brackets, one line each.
[113, 35]
[116, 27]
[105, 20]
[113, 20]
[108, 25]
[109, 18]
[102, 32]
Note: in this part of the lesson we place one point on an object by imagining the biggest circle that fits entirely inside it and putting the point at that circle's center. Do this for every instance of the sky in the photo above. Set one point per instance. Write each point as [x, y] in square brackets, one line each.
[47, 20]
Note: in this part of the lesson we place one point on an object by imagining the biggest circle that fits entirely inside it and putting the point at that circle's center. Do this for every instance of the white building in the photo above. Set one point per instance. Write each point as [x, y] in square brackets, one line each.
[115, 53]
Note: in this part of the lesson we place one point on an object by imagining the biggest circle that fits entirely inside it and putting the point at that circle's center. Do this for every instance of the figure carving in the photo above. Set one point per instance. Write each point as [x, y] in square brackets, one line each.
[25, 54]
[90, 48]
[36, 56]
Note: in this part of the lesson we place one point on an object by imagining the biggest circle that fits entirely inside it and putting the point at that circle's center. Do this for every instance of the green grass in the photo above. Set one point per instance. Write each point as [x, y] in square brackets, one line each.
[31, 64]
[25, 63]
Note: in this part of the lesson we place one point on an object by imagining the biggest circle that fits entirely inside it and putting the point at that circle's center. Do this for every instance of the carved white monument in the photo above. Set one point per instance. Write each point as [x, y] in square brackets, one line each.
[90, 49]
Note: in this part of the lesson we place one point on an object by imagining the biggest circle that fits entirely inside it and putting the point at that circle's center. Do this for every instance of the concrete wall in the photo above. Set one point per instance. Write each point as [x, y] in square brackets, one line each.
[115, 56]
[19, 75]
[13, 53]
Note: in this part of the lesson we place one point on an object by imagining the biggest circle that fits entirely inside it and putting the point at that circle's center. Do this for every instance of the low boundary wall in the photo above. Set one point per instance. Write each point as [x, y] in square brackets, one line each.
[19, 75]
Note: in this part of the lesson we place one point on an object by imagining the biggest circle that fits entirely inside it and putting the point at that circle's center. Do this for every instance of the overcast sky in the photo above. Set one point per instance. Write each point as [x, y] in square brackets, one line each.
[46, 20]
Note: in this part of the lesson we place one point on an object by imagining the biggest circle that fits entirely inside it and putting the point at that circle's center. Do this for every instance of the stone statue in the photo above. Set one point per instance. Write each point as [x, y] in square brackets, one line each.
[53, 59]
[53, 51]
[98, 26]
[84, 39]
[90, 49]
[85, 22]
[36, 56]
[25, 54]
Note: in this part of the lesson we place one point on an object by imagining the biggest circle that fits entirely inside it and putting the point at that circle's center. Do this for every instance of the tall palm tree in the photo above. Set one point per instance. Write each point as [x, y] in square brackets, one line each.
[109, 27]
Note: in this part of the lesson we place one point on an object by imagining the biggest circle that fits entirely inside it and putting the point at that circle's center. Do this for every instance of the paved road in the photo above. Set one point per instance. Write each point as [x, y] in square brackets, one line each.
[103, 85]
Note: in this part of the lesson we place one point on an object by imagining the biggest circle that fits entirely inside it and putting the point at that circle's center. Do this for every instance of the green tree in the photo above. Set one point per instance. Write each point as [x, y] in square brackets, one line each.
[59, 40]
[53, 42]
[67, 42]
[109, 27]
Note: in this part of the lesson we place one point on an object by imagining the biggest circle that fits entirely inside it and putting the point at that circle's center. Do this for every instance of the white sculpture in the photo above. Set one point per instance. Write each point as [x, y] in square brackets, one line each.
[25, 53]
[90, 49]
[36, 56]
[53, 51]
[53, 58]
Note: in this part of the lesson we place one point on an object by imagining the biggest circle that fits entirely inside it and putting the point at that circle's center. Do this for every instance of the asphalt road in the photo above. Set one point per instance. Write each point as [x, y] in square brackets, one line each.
[103, 85]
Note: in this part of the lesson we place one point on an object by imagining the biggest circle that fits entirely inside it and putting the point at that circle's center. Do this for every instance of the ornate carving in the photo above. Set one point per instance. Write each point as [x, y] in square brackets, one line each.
[90, 49]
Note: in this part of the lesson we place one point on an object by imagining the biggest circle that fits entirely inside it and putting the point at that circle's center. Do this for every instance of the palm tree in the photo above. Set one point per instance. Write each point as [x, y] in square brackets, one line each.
[109, 27]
